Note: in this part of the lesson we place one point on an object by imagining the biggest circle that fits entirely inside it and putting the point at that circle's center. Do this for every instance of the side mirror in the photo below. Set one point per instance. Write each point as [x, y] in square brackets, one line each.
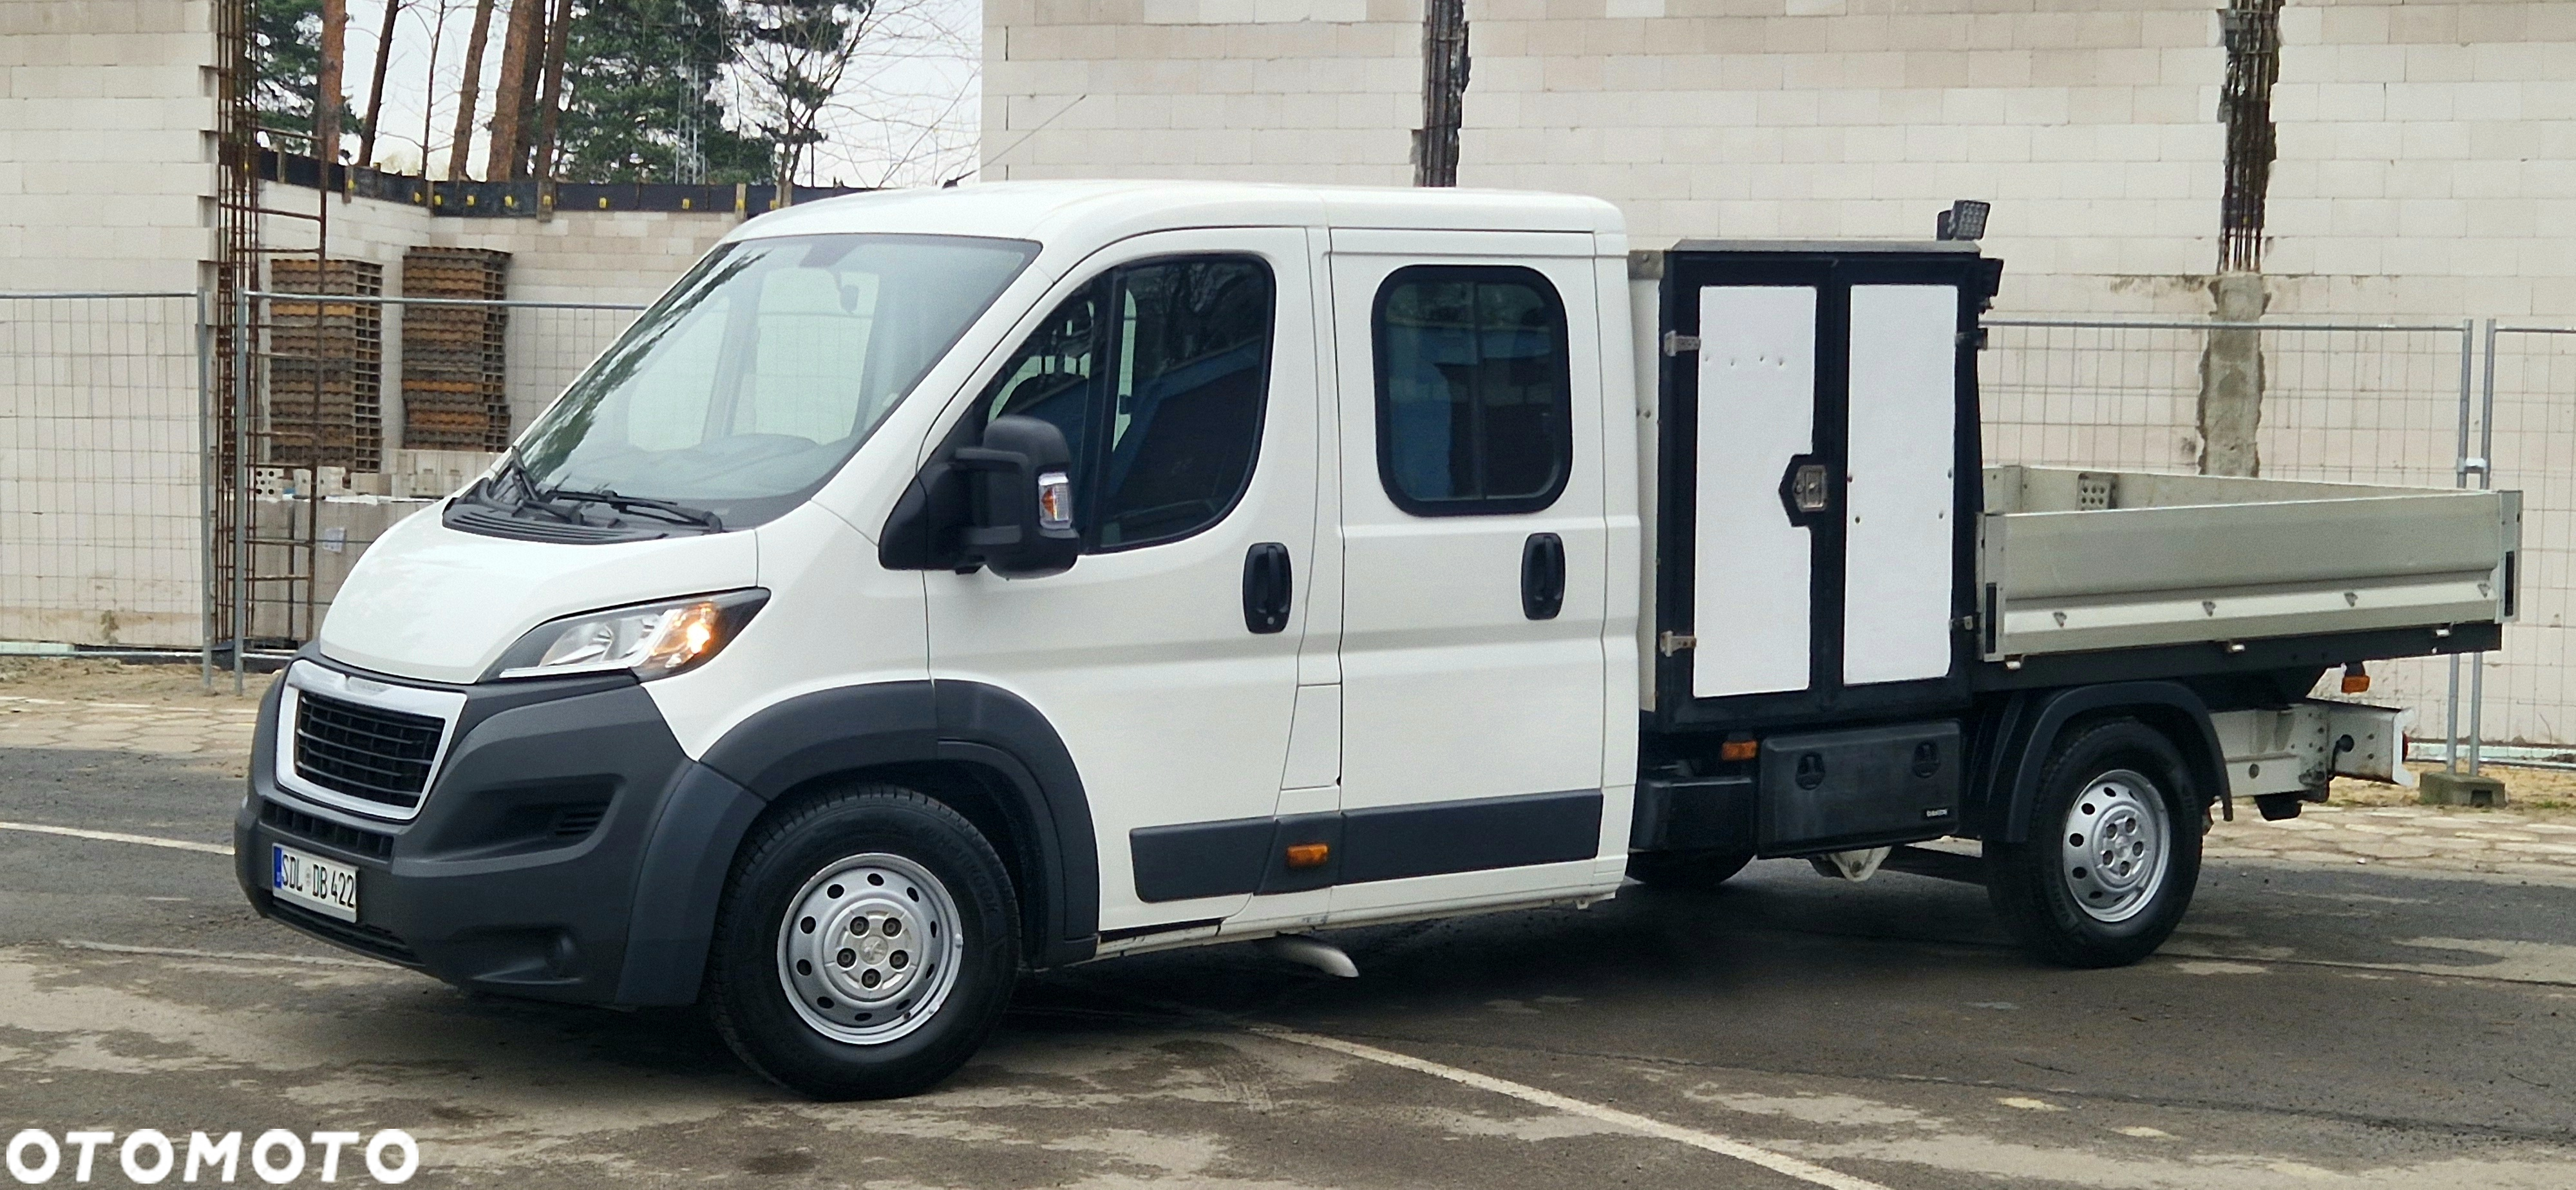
[1020, 499]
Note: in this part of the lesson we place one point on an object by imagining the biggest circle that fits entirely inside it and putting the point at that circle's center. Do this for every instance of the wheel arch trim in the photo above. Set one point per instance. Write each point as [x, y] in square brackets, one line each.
[2028, 725]
[850, 730]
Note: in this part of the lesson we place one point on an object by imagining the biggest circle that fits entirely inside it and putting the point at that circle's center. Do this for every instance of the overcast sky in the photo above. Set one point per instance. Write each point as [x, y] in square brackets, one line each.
[908, 115]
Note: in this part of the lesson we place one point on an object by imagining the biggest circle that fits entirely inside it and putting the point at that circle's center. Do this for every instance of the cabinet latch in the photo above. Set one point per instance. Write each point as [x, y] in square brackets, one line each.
[1674, 642]
[1676, 342]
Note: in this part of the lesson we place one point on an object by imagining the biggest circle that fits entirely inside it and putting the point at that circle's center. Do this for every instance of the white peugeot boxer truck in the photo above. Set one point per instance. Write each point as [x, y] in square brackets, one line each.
[939, 585]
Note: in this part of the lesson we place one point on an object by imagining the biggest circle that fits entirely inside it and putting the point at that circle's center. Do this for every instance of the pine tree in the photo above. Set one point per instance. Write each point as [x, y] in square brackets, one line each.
[638, 74]
[286, 48]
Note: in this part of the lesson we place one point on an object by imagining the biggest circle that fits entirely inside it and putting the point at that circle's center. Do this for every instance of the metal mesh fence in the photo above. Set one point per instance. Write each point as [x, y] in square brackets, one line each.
[103, 488]
[2529, 442]
[101, 508]
[2355, 403]
[445, 399]
[2348, 403]
[549, 346]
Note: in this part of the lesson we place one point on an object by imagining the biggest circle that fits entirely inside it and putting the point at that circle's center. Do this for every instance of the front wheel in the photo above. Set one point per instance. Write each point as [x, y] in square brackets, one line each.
[2114, 878]
[866, 946]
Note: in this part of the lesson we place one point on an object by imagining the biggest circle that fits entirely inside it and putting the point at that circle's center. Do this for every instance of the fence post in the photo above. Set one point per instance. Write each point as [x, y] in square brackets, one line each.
[2459, 479]
[206, 472]
[2486, 480]
[241, 468]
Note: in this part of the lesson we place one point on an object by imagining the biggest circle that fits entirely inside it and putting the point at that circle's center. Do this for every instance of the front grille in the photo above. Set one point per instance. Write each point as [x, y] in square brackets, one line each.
[365, 752]
[323, 830]
[365, 939]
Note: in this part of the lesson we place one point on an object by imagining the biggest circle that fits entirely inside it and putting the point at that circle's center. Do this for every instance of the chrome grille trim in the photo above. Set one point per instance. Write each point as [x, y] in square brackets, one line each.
[339, 749]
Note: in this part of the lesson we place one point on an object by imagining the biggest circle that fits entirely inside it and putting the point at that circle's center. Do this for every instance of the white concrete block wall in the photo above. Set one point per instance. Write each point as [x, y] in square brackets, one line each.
[2426, 172]
[105, 148]
[2425, 146]
[106, 118]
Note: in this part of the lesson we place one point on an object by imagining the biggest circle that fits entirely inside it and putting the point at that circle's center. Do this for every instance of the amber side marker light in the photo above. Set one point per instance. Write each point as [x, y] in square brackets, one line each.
[1739, 749]
[2356, 680]
[1309, 855]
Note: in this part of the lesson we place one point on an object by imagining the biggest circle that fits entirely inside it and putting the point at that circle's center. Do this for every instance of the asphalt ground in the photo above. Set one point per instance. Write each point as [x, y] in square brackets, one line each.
[2335, 1023]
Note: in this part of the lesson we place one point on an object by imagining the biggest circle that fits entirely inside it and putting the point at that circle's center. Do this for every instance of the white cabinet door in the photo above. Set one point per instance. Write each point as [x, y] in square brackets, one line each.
[1176, 713]
[1752, 568]
[1472, 731]
[1898, 542]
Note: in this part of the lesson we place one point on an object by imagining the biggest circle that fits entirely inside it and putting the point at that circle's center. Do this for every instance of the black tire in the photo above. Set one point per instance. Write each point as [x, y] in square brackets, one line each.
[946, 1013]
[1686, 871]
[2040, 887]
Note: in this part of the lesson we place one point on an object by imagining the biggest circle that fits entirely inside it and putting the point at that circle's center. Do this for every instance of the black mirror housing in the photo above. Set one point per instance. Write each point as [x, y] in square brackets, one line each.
[1019, 499]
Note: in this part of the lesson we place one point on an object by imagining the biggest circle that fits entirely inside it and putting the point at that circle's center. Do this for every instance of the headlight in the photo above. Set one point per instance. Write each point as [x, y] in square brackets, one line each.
[654, 641]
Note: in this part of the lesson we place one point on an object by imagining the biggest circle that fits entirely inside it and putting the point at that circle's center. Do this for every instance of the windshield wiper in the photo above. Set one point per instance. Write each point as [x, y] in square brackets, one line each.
[678, 513]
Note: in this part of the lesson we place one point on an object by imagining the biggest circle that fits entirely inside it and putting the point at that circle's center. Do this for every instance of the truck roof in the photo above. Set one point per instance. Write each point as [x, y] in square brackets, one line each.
[1082, 214]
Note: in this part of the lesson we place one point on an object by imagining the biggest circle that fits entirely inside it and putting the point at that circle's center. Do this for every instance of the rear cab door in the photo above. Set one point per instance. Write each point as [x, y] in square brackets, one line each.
[1475, 557]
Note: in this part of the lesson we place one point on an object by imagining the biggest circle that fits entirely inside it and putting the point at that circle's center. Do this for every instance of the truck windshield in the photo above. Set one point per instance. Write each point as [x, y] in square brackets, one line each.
[748, 384]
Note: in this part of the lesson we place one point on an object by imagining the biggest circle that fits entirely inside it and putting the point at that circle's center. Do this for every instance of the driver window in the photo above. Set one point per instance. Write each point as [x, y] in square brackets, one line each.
[1050, 377]
[1157, 375]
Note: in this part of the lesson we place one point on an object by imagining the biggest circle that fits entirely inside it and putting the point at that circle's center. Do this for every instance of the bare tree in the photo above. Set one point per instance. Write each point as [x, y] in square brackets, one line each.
[467, 89]
[792, 57]
[429, 79]
[860, 92]
[376, 84]
[550, 99]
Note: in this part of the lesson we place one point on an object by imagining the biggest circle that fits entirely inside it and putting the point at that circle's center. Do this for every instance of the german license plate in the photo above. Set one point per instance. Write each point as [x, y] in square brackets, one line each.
[314, 882]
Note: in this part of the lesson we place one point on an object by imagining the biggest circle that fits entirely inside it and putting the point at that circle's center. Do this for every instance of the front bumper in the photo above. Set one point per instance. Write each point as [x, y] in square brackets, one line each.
[521, 872]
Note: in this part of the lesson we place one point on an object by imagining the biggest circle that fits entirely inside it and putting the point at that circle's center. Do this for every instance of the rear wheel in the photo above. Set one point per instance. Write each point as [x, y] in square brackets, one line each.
[2113, 854]
[866, 946]
[1686, 870]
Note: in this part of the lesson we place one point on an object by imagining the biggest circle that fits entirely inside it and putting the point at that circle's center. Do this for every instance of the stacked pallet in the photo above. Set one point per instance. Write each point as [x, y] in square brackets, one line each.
[326, 365]
[453, 357]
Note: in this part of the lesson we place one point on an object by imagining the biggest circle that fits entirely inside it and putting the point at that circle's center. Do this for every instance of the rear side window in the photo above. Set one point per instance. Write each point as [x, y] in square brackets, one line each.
[1474, 395]
[1157, 373]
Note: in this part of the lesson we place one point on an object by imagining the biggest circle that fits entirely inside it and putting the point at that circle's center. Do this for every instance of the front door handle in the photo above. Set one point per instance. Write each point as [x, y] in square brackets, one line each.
[1269, 587]
[1542, 576]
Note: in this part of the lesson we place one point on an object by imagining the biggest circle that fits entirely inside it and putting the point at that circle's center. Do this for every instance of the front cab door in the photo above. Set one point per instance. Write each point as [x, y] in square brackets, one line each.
[1181, 368]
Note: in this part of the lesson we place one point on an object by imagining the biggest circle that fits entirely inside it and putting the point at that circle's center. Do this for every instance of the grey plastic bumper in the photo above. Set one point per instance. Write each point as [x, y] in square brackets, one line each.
[489, 887]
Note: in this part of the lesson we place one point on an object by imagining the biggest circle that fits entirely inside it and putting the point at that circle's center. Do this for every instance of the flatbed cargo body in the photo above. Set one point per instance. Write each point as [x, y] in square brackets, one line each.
[1857, 364]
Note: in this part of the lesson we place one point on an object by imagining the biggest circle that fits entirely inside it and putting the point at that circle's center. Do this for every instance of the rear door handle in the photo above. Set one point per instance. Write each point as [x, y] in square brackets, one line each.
[1269, 587]
[1542, 576]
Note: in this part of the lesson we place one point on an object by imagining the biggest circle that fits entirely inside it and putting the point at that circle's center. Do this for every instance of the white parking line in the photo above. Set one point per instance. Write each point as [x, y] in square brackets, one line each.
[74, 832]
[238, 956]
[1780, 1163]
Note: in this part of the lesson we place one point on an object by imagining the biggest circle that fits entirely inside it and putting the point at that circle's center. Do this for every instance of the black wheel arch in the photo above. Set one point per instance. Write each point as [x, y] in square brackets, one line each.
[982, 750]
[2016, 733]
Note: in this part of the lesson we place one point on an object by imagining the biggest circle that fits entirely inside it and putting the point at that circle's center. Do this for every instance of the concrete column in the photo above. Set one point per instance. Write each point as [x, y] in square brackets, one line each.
[2231, 379]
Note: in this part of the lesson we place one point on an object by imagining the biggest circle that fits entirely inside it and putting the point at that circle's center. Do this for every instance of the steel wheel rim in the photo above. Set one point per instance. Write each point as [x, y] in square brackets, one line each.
[869, 949]
[2115, 846]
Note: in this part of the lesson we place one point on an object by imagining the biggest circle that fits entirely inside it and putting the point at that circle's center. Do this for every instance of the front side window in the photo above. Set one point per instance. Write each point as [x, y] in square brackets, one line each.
[1157, 373]
[1474, 392]
[764, 369]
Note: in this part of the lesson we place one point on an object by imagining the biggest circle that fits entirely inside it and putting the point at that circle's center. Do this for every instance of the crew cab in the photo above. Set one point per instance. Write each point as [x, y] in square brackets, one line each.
[938, 585]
